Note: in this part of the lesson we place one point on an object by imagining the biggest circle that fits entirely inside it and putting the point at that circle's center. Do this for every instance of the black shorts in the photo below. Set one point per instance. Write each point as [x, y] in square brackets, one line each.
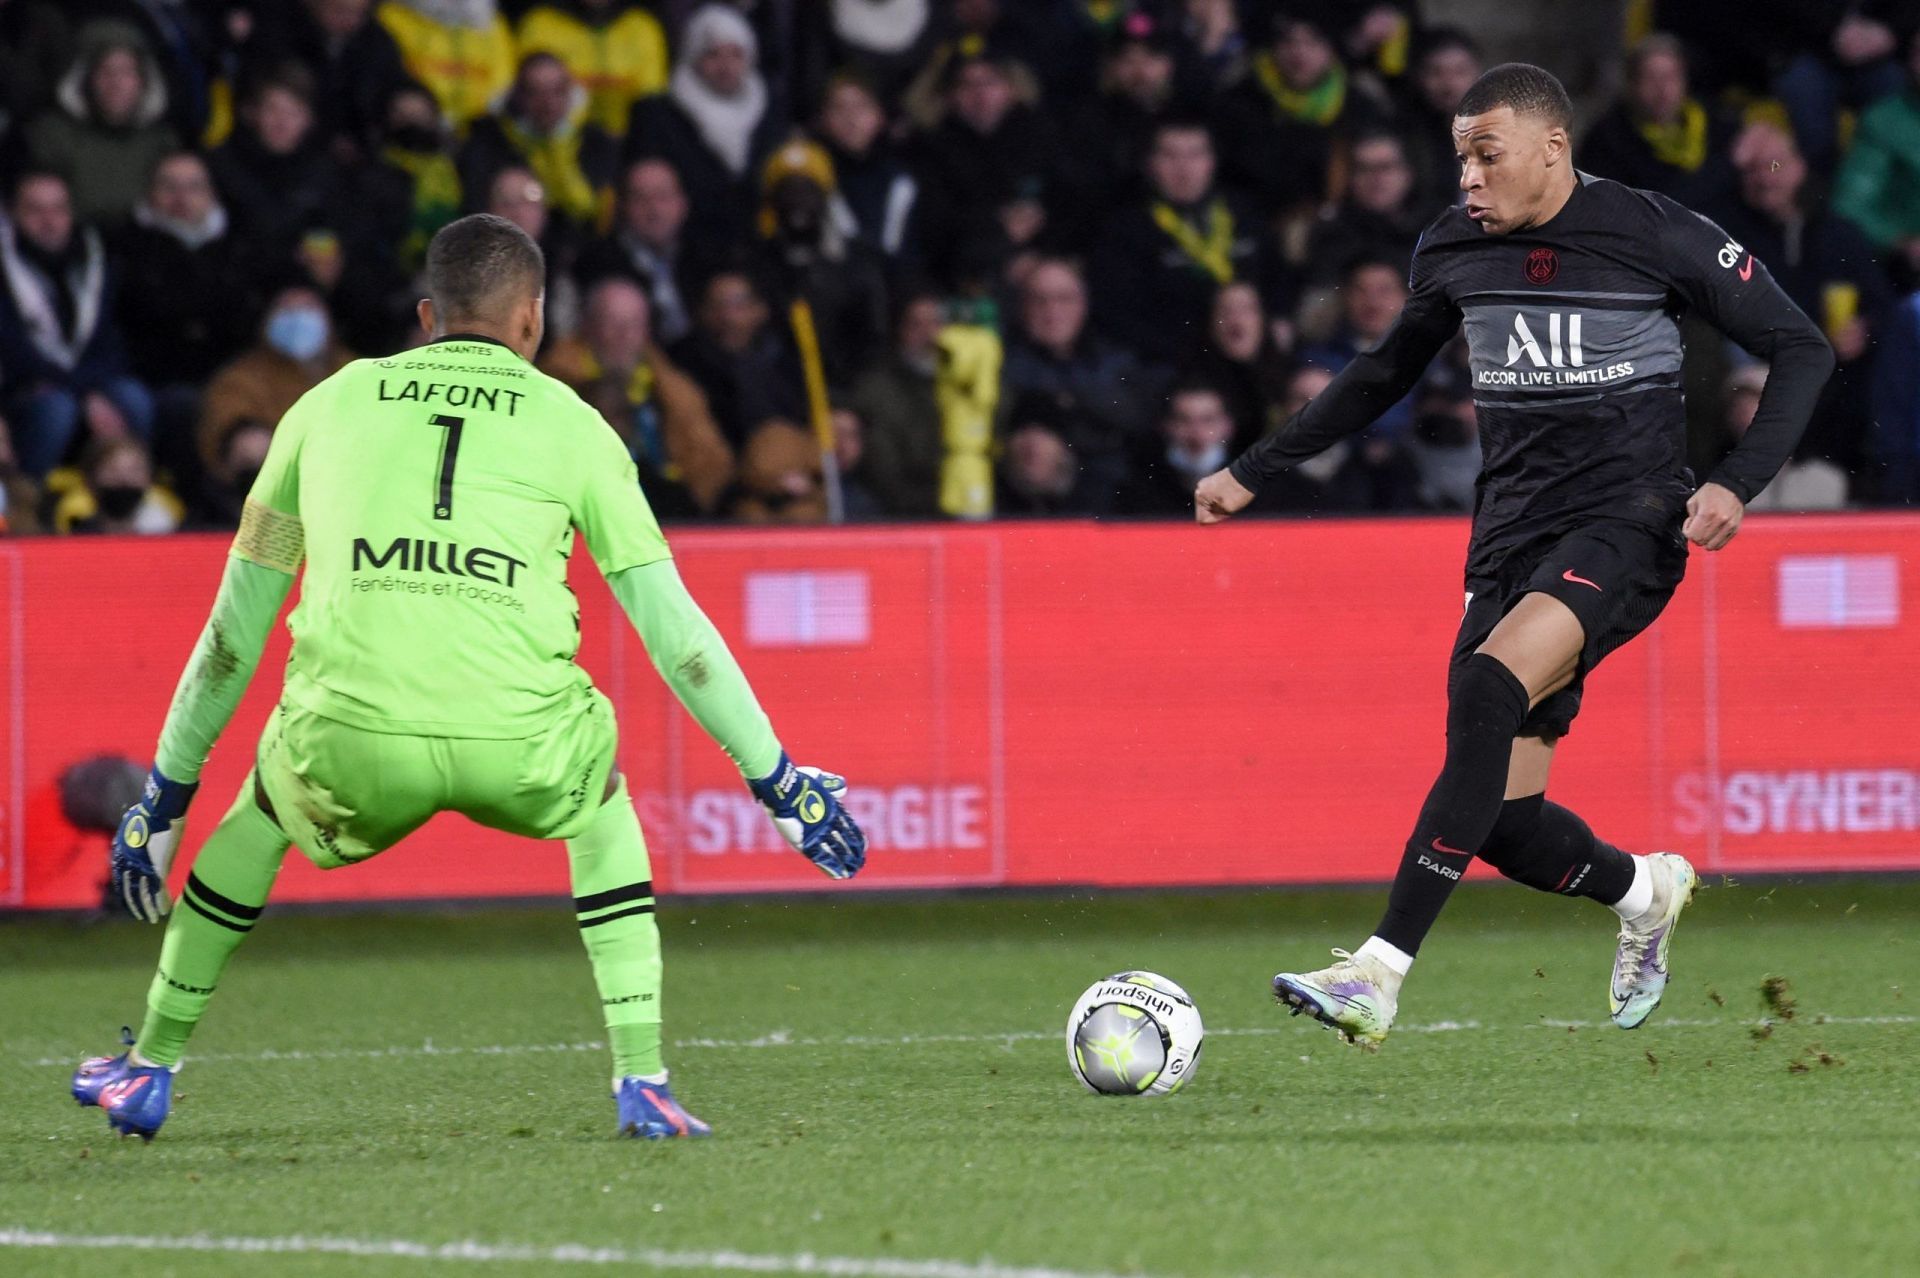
[1616, 576]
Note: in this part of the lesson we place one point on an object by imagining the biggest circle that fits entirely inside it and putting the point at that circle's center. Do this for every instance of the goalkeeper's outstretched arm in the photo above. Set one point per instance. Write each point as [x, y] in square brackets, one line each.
[694, 660]
[260, 570]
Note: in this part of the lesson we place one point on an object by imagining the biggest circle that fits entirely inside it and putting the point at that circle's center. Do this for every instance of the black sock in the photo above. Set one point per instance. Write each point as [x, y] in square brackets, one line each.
[1547, 847]
[1485, 707]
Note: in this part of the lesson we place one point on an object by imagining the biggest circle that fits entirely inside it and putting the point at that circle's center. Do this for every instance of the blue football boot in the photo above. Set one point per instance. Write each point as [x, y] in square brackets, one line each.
[136, 1097]
[649, 1111]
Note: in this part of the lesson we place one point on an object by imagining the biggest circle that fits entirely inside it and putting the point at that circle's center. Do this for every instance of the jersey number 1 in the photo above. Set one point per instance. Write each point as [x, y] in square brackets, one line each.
[449, 453]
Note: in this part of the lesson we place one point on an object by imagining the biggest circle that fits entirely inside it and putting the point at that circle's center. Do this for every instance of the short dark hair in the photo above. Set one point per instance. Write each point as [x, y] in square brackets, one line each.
[479, 264]
[1528, 89]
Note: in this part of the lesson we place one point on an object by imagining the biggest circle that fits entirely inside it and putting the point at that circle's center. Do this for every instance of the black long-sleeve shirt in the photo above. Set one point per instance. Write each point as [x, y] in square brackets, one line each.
[1573, 329]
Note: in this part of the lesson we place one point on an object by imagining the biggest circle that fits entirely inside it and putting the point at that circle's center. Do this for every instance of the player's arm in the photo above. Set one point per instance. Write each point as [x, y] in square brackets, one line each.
[265, 557]
[1374, 382]
[687, 650]
[1735, 291]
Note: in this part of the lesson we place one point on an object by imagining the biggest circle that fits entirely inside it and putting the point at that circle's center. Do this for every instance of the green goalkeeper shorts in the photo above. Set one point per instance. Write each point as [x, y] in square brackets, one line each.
[343, 794]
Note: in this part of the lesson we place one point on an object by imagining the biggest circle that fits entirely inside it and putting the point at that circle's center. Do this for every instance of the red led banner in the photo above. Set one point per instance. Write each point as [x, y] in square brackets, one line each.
[1074, 703]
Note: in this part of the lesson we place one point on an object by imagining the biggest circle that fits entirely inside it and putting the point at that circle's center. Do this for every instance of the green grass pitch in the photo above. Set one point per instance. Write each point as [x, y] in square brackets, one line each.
[890, 1095]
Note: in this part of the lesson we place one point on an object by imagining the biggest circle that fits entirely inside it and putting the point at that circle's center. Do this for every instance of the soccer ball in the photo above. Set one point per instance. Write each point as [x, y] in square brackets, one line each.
[1134, 1034]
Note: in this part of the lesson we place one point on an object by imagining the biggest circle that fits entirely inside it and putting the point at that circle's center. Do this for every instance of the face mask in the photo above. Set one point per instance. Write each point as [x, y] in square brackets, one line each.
[298, 332]
[1202, 463]
[117, 501]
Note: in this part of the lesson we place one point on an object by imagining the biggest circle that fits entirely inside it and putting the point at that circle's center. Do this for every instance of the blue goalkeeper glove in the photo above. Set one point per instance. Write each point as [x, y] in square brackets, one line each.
[805, 806]
[144, 844]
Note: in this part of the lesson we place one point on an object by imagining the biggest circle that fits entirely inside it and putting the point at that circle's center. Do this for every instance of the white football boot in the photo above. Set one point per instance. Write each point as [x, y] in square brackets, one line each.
[1640, 964]
[1355, 998]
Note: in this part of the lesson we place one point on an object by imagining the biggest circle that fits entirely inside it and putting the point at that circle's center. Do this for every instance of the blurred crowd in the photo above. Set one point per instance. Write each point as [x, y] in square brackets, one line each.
[884, 259]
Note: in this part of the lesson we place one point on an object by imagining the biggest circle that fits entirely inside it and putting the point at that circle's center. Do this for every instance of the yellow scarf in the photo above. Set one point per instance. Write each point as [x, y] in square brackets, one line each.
[436, 198]
[1212, 252]
[1321, 104]
[1682, 145]
[555, 160]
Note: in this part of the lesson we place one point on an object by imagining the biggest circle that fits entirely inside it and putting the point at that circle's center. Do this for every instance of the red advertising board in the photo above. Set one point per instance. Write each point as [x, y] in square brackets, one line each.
[1075, 703]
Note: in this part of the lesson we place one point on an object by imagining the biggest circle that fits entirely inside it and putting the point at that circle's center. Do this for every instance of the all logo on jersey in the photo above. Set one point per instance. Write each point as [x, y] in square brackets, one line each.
[1546, 350]
[1542, 265]
[1522, 342]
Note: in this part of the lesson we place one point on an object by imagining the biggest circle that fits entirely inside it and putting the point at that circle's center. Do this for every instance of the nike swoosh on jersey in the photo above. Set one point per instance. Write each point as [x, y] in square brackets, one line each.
[1746, 272]
[1570, 575]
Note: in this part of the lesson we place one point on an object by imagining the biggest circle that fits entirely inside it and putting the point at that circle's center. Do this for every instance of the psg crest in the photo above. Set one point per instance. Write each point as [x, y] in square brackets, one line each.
[1542, 265]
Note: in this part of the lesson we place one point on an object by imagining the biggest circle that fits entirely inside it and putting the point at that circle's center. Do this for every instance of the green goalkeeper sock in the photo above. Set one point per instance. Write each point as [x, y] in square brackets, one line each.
[613, 899]
[219, 905]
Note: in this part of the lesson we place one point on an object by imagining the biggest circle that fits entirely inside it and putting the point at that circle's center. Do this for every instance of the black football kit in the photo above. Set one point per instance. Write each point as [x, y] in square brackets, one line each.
[1573, 336]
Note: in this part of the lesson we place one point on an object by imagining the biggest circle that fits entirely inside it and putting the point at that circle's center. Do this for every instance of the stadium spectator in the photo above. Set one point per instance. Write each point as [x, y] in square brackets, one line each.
[1826, 266]
[875, 195]
[1279, 125]
[1805, 483]
[1382, 216]
[36, 45]
[544, 127]
[1852, 61]
[1371, 297]
[295, 350]
[987, 175]
[780, 477]
[715, 123]
[183, 300]
[1102, 387]
[1658, 136]
[1195, 432]
[741, 358]
[653, 244]
[61, 353]
[107, 128]
[857, 500]
[1443, 446]
[222, 491]
[1448, 63]
[416, 155]
[274, 175]
[894, 397]
[356, 65]
[1895, 423]
[1244, 360]
[116, 493]
[516, 194]
[614, 48]
[805, 257]
[1163, 258]
[1878, 187]
[1341, 479]
[614, 364]
[1139, 90]
[1041, 472]
[460, 49]
[1212, 30]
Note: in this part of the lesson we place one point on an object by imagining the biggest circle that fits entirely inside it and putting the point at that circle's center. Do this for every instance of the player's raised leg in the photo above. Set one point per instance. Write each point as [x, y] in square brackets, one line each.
[613, 900]
[224, 893]
[1531, 653]
[1549, 848]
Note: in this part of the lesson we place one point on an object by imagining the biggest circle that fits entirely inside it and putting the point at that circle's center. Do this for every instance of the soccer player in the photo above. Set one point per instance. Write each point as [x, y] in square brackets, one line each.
[1571, 289]
[433, 499]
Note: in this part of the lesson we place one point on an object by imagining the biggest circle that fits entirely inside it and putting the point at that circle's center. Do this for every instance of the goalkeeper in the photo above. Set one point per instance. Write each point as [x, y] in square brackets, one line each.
[433, 499]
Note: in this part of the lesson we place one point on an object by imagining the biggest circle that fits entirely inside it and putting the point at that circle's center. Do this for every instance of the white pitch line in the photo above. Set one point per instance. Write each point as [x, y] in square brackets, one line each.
[785, 1038]
[654, 1258]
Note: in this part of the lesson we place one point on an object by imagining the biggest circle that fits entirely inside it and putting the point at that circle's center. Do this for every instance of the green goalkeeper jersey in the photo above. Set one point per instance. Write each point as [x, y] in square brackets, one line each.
[438, 492]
